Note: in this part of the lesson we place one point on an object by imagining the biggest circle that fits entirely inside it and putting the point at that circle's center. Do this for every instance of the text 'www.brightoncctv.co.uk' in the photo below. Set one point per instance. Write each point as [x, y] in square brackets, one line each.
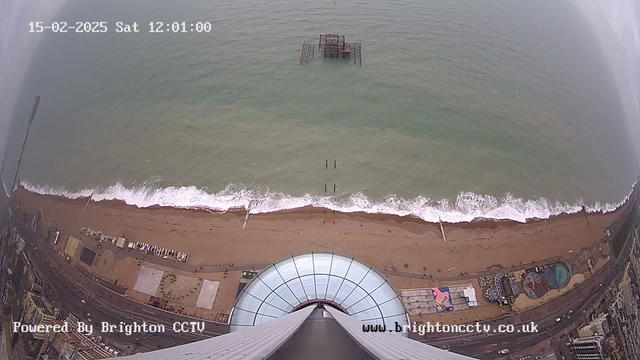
[428, 327]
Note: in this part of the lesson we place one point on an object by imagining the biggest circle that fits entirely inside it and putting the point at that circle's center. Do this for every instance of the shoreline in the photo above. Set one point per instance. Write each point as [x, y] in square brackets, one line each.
[476, 222]
[470, 210]
[240, 212]
[384, 241]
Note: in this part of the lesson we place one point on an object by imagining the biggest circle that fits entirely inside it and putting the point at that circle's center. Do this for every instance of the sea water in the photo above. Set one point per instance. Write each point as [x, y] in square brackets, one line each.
[460, 110]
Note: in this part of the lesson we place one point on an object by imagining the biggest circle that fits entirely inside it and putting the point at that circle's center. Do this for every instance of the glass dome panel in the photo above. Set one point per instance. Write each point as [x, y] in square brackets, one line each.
[332, 289]
[242, 317]
[371, 282]
[340, 266]
[287, 269]
[248, 303]
[322, 263]
[384, 294]
[355, 297]
[258, 289]
[353, 286]
[296, 286]
[346, 288]
[272, 311]
[275, 300]
[304, 264]
[357, 272]
[270, 277]
[287, 295]
[366, 310]
[309, 286]
[322, 282]
[391, 308]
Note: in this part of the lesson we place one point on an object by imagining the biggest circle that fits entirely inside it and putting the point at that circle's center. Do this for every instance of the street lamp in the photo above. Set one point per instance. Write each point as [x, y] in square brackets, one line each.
[24, 142]
[7, 219]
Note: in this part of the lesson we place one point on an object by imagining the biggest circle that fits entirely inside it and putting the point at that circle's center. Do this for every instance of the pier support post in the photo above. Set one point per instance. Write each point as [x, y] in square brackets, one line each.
[444, 237]
[88, 201]
[246, 217]
[584, 211]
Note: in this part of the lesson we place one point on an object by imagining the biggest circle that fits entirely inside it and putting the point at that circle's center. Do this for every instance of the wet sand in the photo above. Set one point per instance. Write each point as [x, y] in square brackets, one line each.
[383, 241]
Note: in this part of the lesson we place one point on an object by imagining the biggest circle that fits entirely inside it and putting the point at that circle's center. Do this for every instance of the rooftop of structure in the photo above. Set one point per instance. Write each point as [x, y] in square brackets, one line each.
[347, 284]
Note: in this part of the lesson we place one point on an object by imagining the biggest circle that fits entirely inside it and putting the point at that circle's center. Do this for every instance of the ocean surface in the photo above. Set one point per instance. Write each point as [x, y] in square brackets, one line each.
[461, 109]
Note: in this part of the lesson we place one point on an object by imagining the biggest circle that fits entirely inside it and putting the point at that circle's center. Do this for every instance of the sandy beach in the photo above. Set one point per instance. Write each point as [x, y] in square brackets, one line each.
[382, 241]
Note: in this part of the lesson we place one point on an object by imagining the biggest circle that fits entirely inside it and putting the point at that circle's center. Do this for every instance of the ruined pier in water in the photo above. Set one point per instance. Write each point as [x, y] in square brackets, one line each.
[307, 52]
[332, 46]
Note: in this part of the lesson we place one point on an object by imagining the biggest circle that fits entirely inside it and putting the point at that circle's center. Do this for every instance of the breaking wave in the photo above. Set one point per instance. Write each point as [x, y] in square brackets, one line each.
[465, 208]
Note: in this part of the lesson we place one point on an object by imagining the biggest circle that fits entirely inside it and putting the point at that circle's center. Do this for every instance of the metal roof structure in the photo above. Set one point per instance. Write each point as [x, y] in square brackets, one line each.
[265, 341]
[383, 345]
[259, 342]
[342, 282]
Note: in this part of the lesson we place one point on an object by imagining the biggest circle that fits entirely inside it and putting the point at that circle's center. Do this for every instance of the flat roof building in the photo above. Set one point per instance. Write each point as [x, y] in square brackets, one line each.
[596, 327]
[36, 313]
[588, 348]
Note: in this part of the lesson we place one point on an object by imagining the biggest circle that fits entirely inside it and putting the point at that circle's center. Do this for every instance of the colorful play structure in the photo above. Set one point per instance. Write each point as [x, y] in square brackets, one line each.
[537, 283]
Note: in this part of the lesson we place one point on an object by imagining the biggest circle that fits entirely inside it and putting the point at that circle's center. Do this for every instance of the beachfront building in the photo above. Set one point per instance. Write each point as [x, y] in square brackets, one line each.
[588, 348]
[426, 301]
[597, 326]
[313, 306]
[501, 288]
[73, 345]
[37, 312]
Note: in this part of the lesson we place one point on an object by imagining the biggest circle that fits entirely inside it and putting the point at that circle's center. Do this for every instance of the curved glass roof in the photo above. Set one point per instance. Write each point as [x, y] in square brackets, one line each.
[348, 284]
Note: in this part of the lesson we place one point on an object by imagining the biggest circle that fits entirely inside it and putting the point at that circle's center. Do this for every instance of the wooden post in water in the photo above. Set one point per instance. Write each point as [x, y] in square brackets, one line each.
[88, 200]
[325, 187]
[246, 217]
[334, 187]
[584, 211]
[335, 163]
[326, 164]
[442, 229]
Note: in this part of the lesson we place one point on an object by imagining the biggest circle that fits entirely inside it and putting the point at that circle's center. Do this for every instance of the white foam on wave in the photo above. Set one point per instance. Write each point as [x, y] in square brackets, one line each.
[466, 207]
